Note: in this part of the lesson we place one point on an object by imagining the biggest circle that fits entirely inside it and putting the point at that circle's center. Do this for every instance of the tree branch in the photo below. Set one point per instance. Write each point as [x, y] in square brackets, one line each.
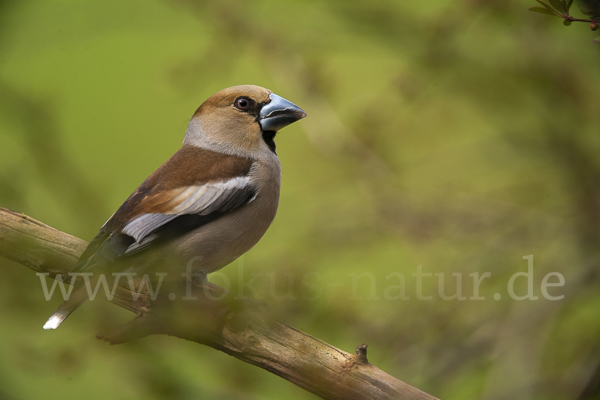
[242, 329]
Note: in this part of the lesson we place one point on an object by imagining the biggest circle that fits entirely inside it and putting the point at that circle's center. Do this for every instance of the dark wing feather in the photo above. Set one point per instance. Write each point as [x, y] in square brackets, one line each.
[86, 259]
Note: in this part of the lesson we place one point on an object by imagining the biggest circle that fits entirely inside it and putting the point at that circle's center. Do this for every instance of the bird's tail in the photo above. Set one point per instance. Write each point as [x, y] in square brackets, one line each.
[77, 298]
[79, 294]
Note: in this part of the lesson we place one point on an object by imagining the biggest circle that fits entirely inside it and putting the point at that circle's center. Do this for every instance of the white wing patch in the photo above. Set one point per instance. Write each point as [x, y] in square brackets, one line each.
[201, 200]
[203, 196]
[146, 223]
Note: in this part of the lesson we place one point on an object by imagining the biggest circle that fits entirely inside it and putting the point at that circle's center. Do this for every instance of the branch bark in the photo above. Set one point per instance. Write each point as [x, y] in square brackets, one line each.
[242, 329]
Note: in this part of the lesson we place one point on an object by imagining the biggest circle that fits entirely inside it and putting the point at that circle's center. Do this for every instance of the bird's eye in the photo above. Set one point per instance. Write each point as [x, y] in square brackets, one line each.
[242, 103]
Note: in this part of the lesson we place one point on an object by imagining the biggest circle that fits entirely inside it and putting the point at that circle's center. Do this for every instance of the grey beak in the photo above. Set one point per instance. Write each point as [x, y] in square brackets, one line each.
[279, 113]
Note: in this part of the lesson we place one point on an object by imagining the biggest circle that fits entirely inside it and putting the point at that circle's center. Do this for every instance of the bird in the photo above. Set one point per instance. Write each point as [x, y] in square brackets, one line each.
[207, 205]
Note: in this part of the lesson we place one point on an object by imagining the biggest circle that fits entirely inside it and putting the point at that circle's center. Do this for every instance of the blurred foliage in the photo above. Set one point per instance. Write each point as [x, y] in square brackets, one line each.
[458, 136]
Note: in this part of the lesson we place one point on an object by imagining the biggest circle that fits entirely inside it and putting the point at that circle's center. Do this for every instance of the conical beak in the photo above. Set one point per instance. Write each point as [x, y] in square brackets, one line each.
[279, 113]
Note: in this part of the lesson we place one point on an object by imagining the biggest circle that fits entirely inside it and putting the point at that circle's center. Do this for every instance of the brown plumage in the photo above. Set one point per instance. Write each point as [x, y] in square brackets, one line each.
[205, 206]
[190, 166]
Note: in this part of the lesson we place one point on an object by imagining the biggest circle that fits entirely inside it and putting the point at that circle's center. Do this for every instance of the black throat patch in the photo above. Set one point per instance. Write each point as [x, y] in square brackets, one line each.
[269, 138]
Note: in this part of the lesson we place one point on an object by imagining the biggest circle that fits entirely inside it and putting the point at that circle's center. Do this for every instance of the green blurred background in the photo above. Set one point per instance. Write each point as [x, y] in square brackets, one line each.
[458, 136]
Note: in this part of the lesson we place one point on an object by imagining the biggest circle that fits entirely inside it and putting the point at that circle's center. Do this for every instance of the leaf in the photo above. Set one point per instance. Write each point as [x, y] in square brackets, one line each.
[567, 22]
[596, 40]
[558, 5]
[542, 11]
[550, 9]
[569, 4]
[585, 9]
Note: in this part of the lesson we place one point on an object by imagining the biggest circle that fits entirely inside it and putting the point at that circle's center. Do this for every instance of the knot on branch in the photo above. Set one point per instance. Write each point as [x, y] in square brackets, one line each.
[359, 358]
[360, 354]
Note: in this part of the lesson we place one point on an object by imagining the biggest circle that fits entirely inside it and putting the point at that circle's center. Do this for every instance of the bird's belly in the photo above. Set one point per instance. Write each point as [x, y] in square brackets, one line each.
[213, 246]
[229, 237]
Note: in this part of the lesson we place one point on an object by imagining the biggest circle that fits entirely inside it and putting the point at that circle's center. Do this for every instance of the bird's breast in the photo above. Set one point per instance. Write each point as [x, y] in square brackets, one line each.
[223, 240]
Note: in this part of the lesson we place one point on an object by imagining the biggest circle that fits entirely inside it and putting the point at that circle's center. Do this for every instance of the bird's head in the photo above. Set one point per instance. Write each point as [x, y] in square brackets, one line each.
[241, 120]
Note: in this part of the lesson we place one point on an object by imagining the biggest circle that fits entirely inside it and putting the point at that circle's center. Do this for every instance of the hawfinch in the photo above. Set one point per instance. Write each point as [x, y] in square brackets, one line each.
[207, 205]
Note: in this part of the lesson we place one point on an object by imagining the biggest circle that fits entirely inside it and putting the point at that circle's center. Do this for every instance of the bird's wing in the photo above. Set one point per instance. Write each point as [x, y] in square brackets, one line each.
[193, 188]
[200, 205]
